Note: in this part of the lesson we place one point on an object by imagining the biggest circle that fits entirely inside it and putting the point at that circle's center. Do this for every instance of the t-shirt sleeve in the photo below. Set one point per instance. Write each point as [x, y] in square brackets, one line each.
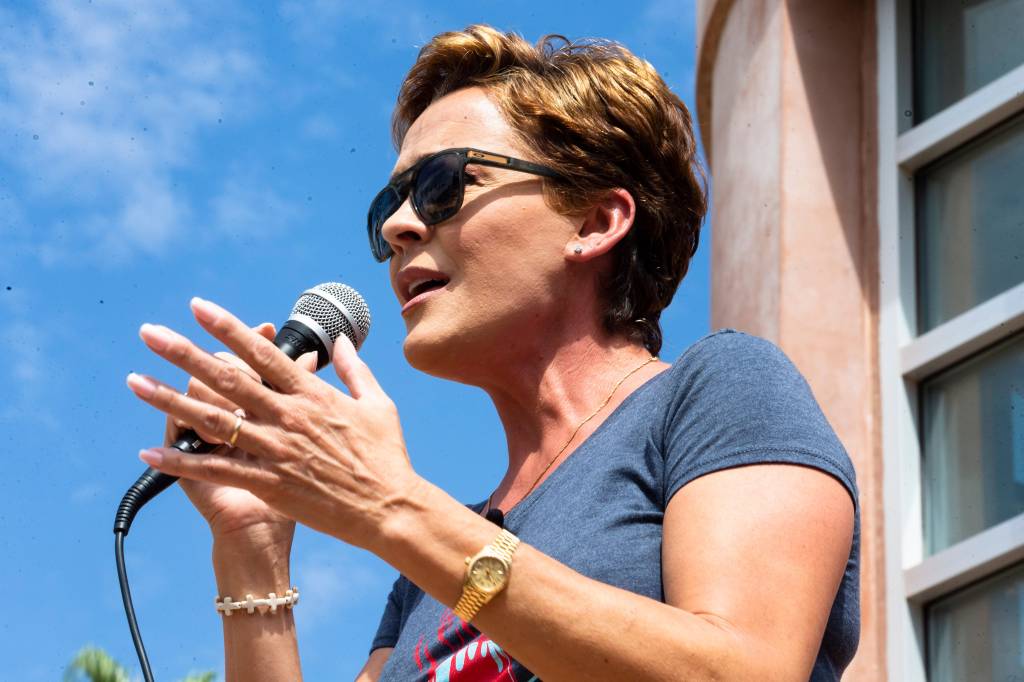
[391, 619]
[739, 400]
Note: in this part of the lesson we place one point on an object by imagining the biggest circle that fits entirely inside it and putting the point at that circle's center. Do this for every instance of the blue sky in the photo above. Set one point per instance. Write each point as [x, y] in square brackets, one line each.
[158, 150]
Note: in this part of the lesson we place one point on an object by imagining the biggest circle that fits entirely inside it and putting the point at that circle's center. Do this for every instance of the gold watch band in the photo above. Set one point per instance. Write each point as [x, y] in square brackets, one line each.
[471, 601]
[473, 598]
[505, 544]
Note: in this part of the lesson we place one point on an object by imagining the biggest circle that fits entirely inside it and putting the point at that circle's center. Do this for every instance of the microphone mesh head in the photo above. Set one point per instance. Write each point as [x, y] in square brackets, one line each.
[321, 304]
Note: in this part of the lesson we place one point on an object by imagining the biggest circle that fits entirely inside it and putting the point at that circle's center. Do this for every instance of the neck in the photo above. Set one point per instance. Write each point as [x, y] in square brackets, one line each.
[544, 394]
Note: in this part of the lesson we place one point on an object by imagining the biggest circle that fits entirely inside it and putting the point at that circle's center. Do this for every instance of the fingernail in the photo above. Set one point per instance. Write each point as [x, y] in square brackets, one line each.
[156, 337]
[153, 458]
[204, 310]
[141, 385]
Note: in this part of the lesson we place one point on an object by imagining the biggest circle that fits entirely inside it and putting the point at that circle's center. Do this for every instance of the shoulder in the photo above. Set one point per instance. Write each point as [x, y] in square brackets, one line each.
[729, 371]
[728, 352]
[738, 399]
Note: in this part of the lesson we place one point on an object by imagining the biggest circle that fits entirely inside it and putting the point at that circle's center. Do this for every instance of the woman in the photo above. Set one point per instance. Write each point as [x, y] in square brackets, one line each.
[692, 521]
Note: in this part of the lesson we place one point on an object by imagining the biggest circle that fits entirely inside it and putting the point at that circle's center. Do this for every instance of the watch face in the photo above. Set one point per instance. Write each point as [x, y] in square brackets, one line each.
[488, 573]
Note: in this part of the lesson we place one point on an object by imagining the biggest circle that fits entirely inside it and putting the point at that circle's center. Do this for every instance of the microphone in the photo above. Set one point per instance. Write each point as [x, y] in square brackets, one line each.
[318, 318]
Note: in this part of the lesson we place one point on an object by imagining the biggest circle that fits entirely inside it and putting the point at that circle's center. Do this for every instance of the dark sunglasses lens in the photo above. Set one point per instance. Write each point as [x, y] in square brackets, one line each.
[383, 207]
[437, 195]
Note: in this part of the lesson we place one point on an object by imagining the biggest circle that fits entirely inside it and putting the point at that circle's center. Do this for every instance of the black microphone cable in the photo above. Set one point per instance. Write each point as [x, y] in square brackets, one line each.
[319, 317]
[150, 484]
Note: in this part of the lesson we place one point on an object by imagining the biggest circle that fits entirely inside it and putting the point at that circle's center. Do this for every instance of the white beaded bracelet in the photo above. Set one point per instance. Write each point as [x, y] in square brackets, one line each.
[227, 606]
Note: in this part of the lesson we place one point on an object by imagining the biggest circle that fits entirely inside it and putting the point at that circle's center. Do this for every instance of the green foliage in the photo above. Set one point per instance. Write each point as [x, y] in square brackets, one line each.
[208, 676]
[93, 664]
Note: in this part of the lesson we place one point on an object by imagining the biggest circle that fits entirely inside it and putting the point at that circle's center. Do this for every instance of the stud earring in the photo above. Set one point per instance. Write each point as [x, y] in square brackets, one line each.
[578, 250]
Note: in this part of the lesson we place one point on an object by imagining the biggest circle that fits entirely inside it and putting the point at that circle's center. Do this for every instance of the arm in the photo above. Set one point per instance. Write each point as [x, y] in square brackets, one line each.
[259, 646]
[338, 464]
[792, 533]
[374, 665]
[251, 549]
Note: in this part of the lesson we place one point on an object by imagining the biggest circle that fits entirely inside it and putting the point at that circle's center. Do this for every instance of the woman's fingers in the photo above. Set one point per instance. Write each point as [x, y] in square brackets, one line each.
[258, 352]
[266, 330]
[197, 389]
[215, 469]
[308, 362]
[352, 371]
[213, 423]
[223, 377]
[203, 393]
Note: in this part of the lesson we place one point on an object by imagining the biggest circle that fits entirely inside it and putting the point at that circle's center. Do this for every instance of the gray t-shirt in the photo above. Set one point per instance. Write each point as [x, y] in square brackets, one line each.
[729, 400]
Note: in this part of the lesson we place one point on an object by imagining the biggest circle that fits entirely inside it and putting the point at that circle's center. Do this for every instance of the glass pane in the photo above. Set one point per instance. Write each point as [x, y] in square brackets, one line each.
[973, 445]
[962, 45]
[977, 633]
[970, 225]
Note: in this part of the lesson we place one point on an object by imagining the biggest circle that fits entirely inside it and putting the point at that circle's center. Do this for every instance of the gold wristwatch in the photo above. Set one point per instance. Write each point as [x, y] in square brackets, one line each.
[487, 574]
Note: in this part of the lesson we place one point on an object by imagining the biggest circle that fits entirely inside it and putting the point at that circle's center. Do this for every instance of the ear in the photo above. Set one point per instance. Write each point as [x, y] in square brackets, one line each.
[604, 225]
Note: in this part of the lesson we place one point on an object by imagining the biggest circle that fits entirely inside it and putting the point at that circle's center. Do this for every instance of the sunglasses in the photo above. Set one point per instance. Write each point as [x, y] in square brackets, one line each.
[437, 184]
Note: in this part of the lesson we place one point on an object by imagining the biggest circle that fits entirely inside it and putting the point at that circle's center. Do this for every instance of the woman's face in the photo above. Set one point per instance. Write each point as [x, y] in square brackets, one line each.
[503, 255]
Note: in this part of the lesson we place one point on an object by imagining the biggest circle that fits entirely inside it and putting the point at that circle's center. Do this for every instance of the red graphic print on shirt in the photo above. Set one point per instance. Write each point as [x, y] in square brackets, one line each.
[462, 654]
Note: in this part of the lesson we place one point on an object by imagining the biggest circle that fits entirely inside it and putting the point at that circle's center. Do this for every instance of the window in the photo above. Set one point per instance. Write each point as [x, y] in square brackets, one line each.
[970, 224]
[968, 631]
[951, 335]
[972, 445]
[960, 46]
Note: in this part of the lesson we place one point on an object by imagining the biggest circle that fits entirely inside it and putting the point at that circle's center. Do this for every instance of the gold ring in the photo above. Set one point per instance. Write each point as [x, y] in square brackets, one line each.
[239, 418]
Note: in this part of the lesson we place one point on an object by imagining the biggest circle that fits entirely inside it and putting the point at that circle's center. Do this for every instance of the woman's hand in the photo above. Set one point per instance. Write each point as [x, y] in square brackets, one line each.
[235, 515]
[311, 453]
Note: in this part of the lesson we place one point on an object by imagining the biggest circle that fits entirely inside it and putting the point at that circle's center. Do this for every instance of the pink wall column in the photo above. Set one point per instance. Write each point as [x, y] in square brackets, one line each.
[786, 101]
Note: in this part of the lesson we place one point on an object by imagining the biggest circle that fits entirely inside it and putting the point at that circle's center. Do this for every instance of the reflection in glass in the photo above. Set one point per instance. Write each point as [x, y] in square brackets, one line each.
[977, 633]
[970, 225]
[972, 440]
[962, 45]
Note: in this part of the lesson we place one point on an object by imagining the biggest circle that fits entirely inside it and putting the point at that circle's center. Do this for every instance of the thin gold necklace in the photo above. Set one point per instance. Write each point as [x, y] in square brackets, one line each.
[577, 430]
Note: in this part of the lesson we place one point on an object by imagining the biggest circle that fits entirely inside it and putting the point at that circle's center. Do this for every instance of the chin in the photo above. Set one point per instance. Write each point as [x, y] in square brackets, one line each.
[448, 351]
[432, 351]
[428, 358]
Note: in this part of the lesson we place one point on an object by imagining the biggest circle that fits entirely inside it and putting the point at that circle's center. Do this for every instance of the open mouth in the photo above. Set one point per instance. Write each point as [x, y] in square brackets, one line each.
[418, 288]
[416, 283]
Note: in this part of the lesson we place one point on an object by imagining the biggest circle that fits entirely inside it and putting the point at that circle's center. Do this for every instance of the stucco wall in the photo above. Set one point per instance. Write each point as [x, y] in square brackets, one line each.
[786, 101]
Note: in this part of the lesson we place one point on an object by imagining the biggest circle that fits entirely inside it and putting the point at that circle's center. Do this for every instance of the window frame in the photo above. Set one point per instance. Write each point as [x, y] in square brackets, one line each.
[905, 359]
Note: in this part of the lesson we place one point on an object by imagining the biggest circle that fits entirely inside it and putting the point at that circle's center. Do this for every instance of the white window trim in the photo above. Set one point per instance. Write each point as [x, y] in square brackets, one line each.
[904, 358]
[950, 128]
[964, 335]
[982, 554]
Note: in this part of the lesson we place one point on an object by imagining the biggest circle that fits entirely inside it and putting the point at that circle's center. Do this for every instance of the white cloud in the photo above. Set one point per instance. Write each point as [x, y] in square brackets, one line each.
[86, 493]
[320, 127]
[105, 102]
[26, 372]
[248, 208]
[15, 235]
[24, 355]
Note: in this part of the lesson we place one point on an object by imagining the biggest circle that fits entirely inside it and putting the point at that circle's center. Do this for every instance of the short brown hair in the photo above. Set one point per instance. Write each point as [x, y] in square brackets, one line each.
[604, 118]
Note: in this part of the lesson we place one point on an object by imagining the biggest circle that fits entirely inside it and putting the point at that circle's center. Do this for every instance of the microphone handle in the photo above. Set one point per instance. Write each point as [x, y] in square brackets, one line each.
[295, 340]
[152, 482]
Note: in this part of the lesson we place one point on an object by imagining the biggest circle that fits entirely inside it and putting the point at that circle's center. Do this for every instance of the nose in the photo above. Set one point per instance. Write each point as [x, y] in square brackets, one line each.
[404, 227]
